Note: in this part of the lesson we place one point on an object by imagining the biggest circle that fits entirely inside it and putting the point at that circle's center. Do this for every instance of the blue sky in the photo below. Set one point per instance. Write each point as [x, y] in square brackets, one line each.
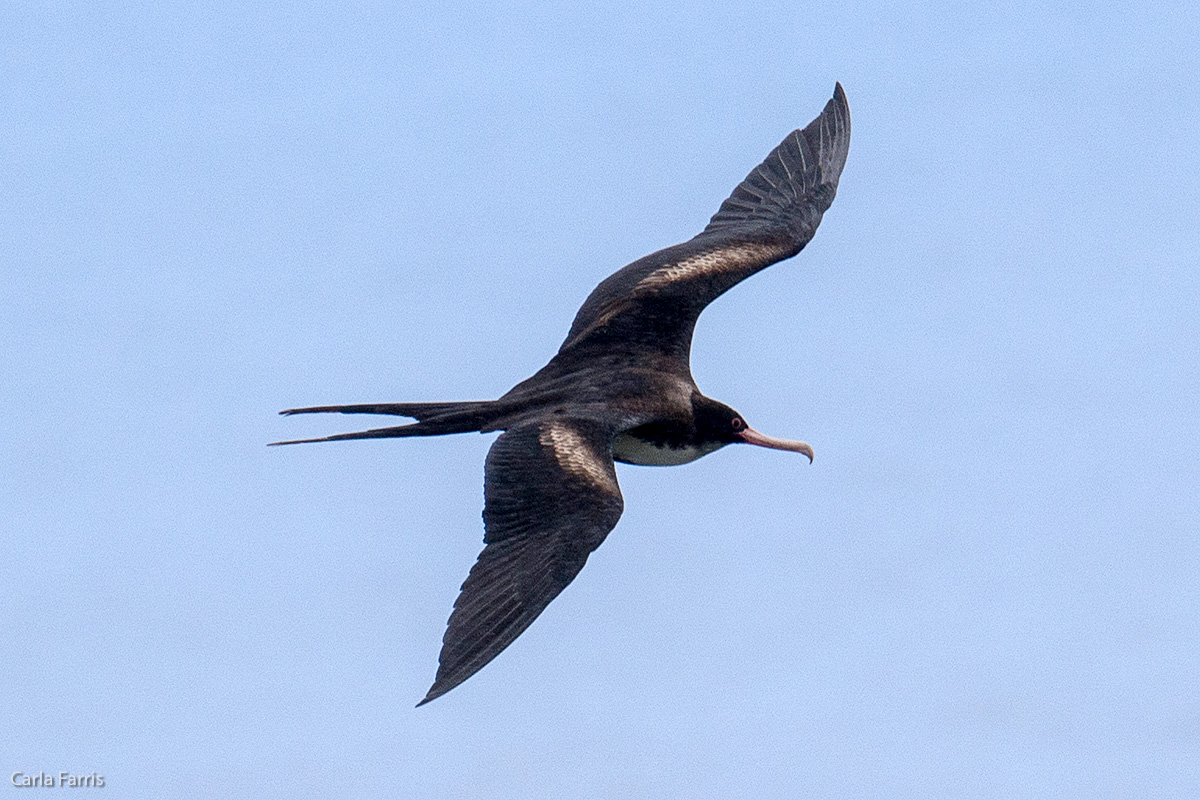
[985, 585]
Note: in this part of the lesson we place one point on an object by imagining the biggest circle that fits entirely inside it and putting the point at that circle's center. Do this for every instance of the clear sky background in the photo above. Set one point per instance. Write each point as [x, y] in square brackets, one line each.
[987, 585]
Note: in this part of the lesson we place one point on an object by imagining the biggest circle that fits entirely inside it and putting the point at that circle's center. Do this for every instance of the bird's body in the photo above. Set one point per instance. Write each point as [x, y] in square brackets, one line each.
[619, 389]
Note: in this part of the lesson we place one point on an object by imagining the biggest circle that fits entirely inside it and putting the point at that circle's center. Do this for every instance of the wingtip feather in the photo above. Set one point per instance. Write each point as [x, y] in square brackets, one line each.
[439, 688]
[829, 135]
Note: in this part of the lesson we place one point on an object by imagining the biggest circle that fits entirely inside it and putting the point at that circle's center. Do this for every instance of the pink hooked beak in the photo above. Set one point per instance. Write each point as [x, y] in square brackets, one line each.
[751, 436]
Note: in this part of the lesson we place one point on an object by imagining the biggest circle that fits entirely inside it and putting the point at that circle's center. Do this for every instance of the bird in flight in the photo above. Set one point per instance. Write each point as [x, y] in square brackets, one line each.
[619, 389]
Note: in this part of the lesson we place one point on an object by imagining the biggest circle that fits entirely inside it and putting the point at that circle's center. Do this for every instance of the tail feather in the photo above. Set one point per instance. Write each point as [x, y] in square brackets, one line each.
[433, 419]
[415, 429]
[415, 410]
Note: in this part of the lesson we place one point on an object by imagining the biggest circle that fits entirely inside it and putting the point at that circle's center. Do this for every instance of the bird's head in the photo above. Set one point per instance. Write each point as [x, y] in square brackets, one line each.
[717, 422]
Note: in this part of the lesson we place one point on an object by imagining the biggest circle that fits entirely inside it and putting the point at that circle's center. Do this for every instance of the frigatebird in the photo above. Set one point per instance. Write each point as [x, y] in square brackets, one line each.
[619, 389]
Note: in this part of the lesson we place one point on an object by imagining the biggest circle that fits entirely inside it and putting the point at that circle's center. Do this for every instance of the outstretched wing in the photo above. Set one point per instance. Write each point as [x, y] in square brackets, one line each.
[653, 303]
[551, 496]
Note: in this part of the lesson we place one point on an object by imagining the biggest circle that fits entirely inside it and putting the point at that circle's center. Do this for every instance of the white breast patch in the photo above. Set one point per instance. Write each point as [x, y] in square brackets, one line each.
[632, 450]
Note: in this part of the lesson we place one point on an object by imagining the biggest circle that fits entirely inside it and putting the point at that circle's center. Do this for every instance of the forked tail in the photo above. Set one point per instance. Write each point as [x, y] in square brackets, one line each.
[433, 419]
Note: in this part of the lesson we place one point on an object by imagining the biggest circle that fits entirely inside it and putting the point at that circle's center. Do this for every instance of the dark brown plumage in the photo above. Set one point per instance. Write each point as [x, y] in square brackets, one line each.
[619, 389]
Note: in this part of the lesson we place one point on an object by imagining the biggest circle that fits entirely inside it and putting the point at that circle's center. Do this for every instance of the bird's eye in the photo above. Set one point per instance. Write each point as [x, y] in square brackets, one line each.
[737, 424]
